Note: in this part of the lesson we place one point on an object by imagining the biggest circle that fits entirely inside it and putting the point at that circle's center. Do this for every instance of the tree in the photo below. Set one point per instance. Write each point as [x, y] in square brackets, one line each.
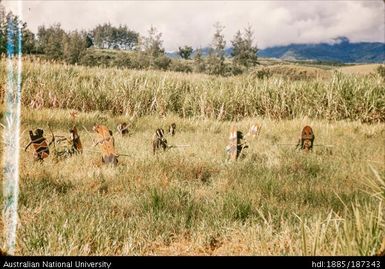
[185, 52]
[10, 25]
[153, 49]
[29, 42]
[51, 41]
[152, 44]
[237, 44]
[55, 40]
[125, 38]
[74, 47]
[109, 37]
[9, 31]
[199, 64]
[41, 39]
[216, 59]
[3, 31]
[89, 40]
[244, 52]
[103, 36]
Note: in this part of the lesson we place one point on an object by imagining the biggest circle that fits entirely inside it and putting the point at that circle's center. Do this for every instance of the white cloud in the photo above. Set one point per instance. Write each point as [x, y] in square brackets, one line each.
[191, 22]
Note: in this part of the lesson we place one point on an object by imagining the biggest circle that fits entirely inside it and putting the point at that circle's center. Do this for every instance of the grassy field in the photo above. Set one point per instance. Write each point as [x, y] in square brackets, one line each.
[191, 200]
[363, 69]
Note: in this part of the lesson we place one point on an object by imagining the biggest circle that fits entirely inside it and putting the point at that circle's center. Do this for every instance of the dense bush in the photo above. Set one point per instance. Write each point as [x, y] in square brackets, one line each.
[180, 66]
[381, 71]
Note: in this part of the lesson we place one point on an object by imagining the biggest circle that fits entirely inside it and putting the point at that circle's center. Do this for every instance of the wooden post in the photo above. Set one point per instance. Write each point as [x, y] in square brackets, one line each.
[106, 144]
[233, 139]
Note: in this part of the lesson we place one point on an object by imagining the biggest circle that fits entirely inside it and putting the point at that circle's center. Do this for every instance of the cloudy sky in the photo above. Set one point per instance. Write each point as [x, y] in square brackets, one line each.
[191, 22]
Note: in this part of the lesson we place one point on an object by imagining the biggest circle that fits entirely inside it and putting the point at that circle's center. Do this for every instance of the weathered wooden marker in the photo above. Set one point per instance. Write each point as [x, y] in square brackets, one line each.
[306, 139]
[107, 144]
[39, 143]
[172, 129]
[76, 144]
[254, 131]
[122, 128]
[233, 142]
[159, 141]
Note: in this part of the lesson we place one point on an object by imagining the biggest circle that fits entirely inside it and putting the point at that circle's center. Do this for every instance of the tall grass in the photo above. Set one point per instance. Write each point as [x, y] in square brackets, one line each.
[360, 228]
[196, 95]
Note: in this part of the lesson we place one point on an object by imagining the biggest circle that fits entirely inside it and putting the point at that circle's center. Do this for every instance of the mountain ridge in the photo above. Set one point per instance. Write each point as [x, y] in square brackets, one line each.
[339, 50]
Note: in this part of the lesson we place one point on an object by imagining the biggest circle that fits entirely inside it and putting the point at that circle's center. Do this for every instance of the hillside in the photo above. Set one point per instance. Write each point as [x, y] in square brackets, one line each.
[341, 51]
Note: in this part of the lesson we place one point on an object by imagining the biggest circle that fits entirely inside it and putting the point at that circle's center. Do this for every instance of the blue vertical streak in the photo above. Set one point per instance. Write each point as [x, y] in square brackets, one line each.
[11, 134]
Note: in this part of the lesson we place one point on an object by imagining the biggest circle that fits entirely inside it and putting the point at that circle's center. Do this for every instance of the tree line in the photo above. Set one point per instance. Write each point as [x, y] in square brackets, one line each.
[111, 46]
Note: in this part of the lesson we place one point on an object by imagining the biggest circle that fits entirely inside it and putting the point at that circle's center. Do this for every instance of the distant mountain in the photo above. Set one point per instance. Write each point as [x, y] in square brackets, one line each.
[339, 50]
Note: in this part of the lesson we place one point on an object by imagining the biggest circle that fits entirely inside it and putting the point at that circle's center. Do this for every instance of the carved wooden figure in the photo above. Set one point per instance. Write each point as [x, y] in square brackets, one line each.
[107, 144]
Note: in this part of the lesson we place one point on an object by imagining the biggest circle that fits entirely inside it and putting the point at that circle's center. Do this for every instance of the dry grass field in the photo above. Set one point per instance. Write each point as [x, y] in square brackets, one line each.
[362, 69]
[191, 200]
